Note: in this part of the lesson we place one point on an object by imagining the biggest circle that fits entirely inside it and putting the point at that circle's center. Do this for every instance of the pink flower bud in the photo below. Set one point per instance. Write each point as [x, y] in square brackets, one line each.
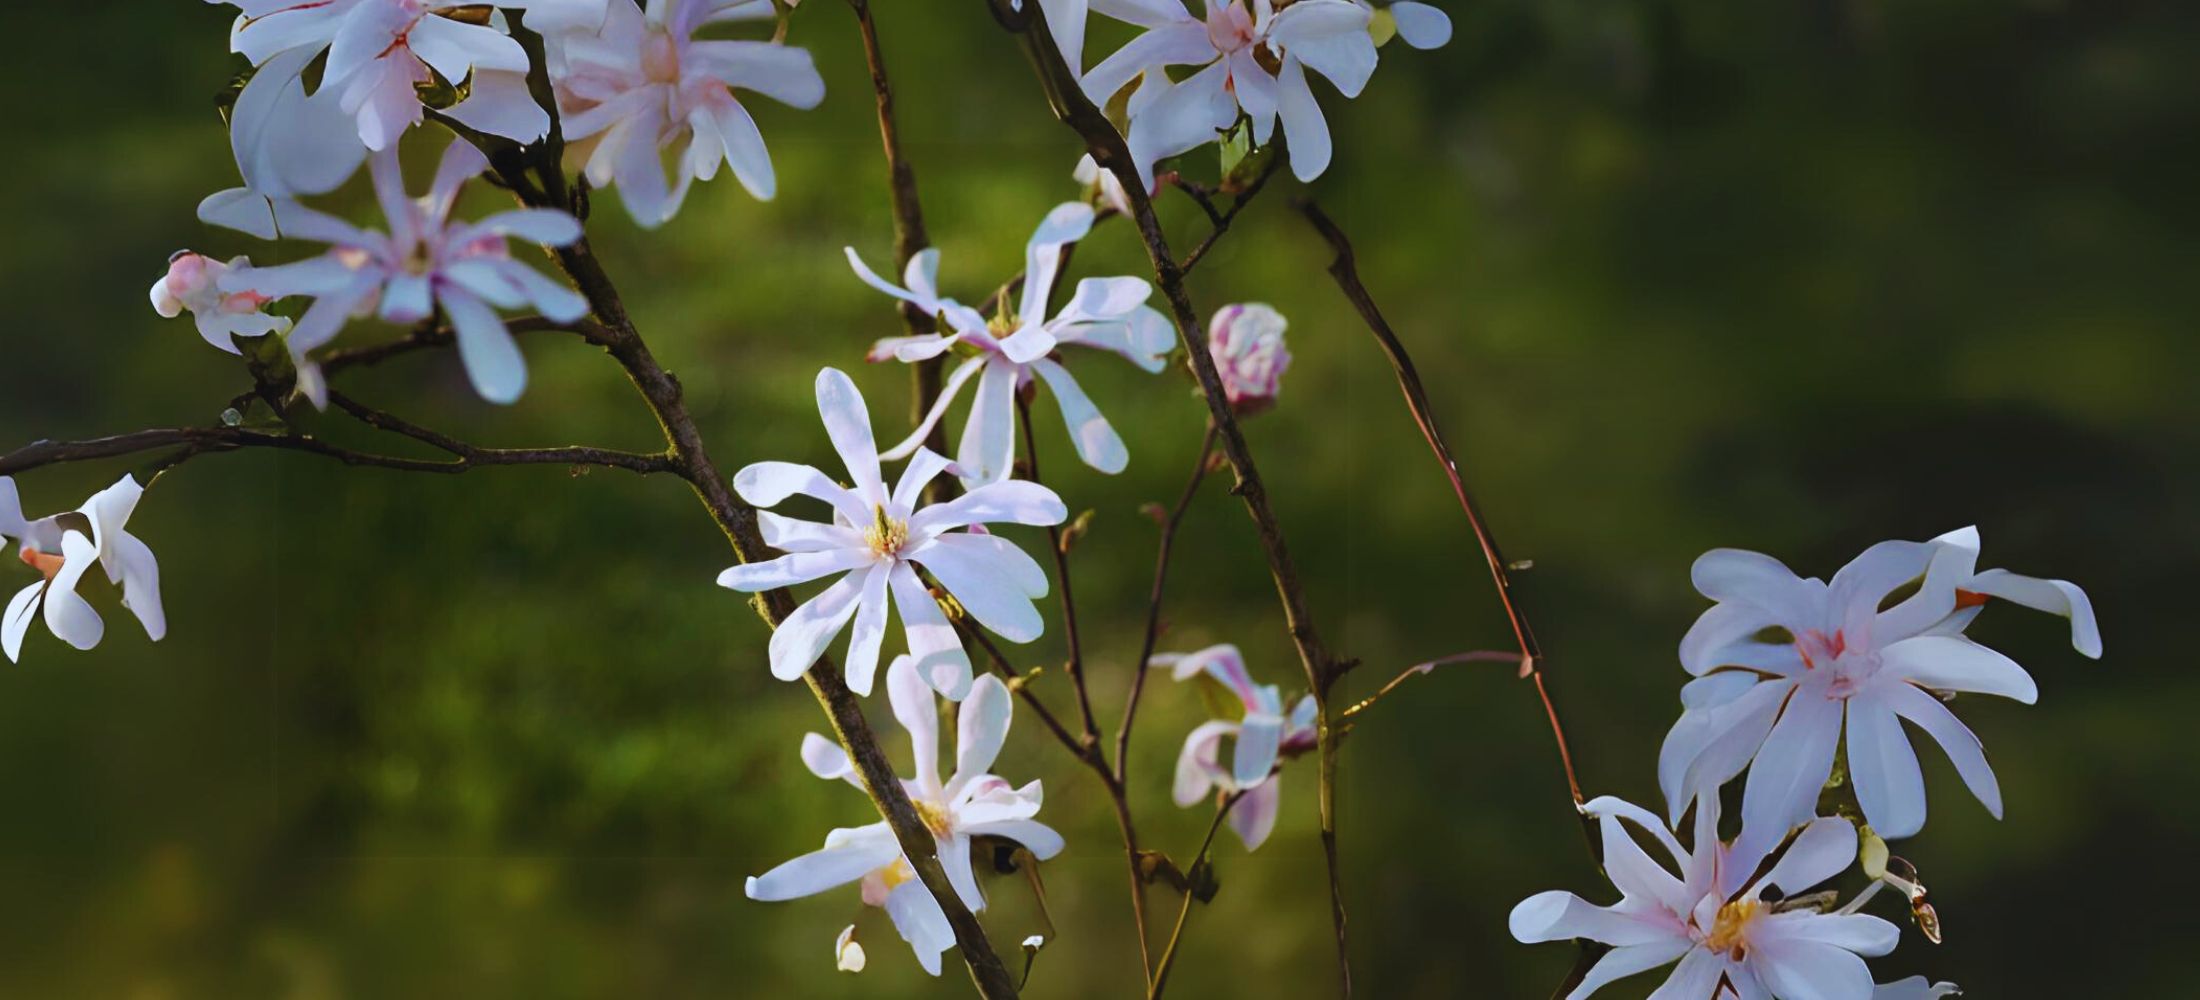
[1247, 342]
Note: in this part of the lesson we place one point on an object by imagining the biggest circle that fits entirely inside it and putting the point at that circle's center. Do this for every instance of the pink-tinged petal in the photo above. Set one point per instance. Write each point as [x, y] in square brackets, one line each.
[1421, 25]
[1804, 970]
[783, 73]
[1861, 933]
[639, 171]
[1707, 747]
[1820, 852]
[937, 649]
[981, 726]
[869, 634]
[1330, 37]
[314, 276]
[1010, 501]
[1955, 739]
[827, 760]
[69, 616]
[1791, 766]
[286, 143]
[1221, 661]
[1177, 44]
[492, 358]
[1097, 442]
[384, 100]
[1038, 838]
[15, 622]
[1638, 876]
[1722, 637]
[1889, 784]
[1628, 960]
[921, 922]
[848, 860]
[1254, 816]
[988, 449]
[1147, 13]
[2056, 597]
[1198, 763]
[1303, 125]
[790, 535]
[792, 569]
[325, 318]
[992, 579]
[1949, 663]
[1186, 115]
[924, 466]
[1065, 223]
[369, 34]
[803, 636]
[1560, 916]
[910, 696]
[848, 424]
[768, 484]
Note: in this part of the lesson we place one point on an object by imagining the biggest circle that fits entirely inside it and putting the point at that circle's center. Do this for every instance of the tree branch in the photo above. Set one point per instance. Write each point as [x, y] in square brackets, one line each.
[194, 441]
[1167, 547]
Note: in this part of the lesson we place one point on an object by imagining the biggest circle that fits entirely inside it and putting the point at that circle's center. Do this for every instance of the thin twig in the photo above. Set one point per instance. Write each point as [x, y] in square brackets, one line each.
[1176, 935]
[1017, 683]
[432, 336]
[1076, 663]
[1416, 670]
[194, 441]
[1237, 204]
[1165, 550]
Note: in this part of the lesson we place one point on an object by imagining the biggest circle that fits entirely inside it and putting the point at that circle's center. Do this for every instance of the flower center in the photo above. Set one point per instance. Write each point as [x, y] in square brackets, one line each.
[1229, 27]
[46, 563]
[895, 874]
[885, 536]
[1730, 931]
[419, 259]
[1819, 648]
[935, 818]
[661, 58]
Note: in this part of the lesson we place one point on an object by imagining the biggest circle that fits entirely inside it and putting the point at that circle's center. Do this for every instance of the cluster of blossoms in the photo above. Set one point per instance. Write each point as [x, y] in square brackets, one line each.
[1789, 674]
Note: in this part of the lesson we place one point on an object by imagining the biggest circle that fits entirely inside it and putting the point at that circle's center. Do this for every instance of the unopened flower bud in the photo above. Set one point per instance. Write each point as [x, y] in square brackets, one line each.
[847, 951]
[1247, 342]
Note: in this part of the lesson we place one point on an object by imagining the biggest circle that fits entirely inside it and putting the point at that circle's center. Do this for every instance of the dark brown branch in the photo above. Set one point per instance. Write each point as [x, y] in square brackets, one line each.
[1409, 673]
[1017, 683]
[1166, 549]
[194, 441]
[1222, 220]
[1323, 669]
[1344, 268]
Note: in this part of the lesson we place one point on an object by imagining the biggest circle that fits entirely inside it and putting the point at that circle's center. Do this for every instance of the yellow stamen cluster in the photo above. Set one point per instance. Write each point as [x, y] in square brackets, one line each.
[935, 818]
[1729, 930]
[885, 536]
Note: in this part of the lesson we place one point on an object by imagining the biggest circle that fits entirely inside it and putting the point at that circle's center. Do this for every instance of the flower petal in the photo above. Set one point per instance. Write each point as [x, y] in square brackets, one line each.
[1949, 663]
[1303, 126]
[988, 449]
[1805, 970]
[1254, 816]
[911, 698]
[1791, 767]
[792, 569]
[981, 726]
[1955, 739]
[1558, 916]
[1010, 501]
[1097, 443]
[938, 654]
[2056, 597]
[803, 636]
[847, 860]
[1889, 784]
[870, 629]
[492, 358]
[993, 579]
[1628, 960]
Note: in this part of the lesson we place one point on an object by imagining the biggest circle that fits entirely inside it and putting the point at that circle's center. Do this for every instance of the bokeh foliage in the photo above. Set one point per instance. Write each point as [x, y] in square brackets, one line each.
[1792, 276]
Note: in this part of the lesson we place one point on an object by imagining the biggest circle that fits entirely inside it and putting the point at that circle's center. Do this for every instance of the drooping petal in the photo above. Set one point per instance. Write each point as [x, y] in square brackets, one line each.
[938, 654]
[2056, 597]
[1955, 739]
[1889, 784]
[992, 579]
[1097, 443]
[1197, 764]
[1183, 116]
[988, 448]
[921, 922]
[869, 633]
[803, 636]
[15, 622]
[1950, 663]
[910, 696]
[1793, 764]
[1254, 816]
[955, 860]
[1421, 25]
[827, 760]
[1329, 36]
[1806, 970]
[1304, 128]
[492, 359]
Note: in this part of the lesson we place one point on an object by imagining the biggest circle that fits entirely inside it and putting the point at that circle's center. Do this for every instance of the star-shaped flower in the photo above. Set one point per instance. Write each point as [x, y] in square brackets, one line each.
[1261, 731]
[970, 804]
[876, 542]
[64, 547]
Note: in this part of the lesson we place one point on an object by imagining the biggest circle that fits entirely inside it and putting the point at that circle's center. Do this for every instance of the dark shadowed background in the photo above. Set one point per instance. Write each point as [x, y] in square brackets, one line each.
[1794, 276]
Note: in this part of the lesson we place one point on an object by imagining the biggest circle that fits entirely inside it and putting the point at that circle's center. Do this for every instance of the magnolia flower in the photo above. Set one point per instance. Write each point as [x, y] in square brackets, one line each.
[1712, 916]
[875, 543]
[1066, 22]
[377, 52]
[1105, 313]
[1839, 659]
[1105, 185]
[1262, 735]
[643, 85]
[192, 283]
[1247, 343]
[1252, 58]
[424, 263]
[971, 804]
[64, 547]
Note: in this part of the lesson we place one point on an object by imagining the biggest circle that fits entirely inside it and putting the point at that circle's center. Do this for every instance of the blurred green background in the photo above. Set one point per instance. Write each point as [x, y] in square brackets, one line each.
[1793, 276]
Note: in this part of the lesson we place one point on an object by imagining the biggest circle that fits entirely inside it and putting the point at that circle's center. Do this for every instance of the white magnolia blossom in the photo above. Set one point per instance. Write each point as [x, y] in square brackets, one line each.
[64, 547]
[1711, 916]
[640, 86]
[1247, 343]
[1247, 56]
[875, 543]
[193, 283]
[971, 803]
[376, 53]
[1108, 314]
[1841, 662]
[425, 262]
[1261, 737]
